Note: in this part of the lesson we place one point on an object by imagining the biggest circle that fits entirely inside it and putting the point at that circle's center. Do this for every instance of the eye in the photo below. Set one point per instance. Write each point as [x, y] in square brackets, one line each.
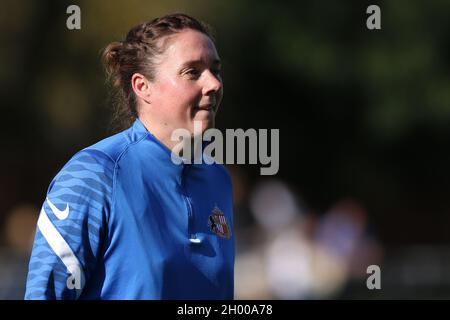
[193, 73]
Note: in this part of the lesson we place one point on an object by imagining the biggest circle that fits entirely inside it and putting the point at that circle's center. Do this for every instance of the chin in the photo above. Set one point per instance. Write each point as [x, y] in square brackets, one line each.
[202, 124]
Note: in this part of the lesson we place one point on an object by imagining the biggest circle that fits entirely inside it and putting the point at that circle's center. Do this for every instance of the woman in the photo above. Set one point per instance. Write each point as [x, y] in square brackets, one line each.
[121, 220]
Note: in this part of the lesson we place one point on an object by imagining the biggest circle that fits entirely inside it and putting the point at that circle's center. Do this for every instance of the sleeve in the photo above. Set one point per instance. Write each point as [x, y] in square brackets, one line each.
[72, 228]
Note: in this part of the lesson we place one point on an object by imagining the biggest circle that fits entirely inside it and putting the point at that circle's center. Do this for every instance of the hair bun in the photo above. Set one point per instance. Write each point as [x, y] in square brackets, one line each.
[111, 58]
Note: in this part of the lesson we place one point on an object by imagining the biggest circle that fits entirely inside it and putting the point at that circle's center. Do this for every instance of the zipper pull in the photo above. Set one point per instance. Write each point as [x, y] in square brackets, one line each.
[195, 240]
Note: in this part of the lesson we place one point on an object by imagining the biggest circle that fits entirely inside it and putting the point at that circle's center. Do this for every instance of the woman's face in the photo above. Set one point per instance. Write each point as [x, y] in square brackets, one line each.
[187, 86]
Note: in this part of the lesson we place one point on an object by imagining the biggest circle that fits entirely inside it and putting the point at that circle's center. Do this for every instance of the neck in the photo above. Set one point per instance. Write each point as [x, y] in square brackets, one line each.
[190, 148]
[161, 131]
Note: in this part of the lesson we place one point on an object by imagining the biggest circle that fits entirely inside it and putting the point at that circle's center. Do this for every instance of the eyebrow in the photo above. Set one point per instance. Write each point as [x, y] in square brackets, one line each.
[215, 62]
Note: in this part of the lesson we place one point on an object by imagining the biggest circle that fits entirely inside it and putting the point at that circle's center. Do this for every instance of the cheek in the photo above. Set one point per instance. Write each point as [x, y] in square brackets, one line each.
[165, 95]
[178, 92]
[166, 87]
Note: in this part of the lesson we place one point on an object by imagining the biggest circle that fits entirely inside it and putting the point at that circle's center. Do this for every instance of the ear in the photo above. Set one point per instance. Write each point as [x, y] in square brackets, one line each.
[141, 86]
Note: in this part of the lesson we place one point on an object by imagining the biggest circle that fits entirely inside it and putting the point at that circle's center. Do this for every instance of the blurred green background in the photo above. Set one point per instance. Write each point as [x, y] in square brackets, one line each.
[364, 119]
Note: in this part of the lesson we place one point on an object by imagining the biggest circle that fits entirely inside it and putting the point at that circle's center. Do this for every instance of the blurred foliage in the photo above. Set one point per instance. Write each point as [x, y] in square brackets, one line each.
[361, 113]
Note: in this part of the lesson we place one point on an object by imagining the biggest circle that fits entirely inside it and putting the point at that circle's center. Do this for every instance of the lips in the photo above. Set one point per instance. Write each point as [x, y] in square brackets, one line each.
[208, 107]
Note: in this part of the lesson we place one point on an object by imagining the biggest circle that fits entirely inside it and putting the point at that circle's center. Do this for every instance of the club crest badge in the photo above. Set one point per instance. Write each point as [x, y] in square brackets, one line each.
[217, 223]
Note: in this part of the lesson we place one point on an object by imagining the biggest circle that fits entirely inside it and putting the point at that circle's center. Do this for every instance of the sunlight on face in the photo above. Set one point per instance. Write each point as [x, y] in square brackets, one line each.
[187, 86]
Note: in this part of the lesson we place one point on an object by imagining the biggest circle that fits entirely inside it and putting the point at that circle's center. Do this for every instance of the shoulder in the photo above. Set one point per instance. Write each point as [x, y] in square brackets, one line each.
[104, 155]
[96, 164]
[114, 146]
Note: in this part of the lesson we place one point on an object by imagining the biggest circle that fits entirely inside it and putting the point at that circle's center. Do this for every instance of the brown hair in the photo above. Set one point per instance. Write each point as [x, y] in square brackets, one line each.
[137, 53]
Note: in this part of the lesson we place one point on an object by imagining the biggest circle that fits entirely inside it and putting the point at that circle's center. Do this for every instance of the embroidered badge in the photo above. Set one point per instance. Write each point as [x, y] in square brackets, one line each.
[218, 224]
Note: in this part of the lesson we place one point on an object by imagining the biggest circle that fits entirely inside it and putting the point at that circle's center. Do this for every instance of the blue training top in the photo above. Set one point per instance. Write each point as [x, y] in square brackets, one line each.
[122, 221]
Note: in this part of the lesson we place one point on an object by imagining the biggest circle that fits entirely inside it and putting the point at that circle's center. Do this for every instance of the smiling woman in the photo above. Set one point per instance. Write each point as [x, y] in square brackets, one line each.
[121, 220]
[187, 86]
[166, 75]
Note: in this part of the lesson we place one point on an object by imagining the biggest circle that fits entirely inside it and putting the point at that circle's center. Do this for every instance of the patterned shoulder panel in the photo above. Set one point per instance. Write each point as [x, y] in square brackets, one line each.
[71, 227]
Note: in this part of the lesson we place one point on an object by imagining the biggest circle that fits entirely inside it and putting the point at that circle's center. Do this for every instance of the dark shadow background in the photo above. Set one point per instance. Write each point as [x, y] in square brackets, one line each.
[363, 115]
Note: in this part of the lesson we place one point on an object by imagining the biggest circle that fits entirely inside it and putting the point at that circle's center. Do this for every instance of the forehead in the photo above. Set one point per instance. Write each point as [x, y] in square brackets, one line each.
[189, 45]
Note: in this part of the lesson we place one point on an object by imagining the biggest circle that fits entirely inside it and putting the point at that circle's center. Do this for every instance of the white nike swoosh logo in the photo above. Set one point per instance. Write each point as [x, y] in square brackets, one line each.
[60, 214]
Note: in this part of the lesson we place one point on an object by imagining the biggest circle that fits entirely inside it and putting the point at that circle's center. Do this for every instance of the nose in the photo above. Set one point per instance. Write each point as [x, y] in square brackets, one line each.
[212, 83]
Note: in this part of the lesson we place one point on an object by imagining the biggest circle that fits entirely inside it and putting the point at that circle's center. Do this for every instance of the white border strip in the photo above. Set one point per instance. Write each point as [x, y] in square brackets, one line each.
[59, 245]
